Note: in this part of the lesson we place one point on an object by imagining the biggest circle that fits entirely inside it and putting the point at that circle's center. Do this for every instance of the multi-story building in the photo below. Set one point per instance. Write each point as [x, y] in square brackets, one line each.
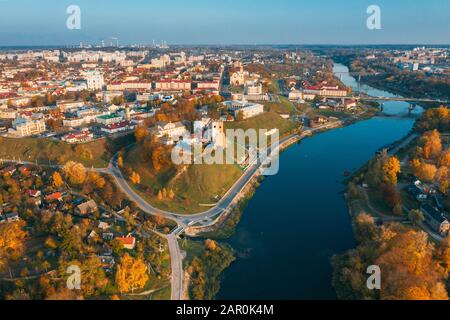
[109, 119]
[117, 127]
[173, 130]
[173, 85]
[26, 127]
[130, 85]
[95, 80]
[244, 108]
[78, 137]
[325, 91]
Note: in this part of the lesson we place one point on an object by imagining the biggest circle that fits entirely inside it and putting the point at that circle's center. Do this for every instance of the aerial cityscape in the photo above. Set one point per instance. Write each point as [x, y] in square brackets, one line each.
[216, 158]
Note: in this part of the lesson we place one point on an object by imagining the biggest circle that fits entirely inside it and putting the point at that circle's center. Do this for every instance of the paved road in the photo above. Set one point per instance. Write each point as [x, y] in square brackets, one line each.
[176, 263]
[185, 220]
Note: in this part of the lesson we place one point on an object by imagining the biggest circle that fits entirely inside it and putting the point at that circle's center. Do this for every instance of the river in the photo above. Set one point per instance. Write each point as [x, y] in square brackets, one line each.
[298, 218]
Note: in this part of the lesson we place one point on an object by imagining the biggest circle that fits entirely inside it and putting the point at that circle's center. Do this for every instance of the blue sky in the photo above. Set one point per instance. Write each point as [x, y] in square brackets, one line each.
[43, 22]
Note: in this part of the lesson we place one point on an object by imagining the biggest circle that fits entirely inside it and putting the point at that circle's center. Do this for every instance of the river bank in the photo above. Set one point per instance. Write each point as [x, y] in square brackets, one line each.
[298, 220]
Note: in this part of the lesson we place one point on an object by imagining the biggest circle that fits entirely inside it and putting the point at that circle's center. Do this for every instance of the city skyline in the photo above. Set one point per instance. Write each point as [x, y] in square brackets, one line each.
[224, 23]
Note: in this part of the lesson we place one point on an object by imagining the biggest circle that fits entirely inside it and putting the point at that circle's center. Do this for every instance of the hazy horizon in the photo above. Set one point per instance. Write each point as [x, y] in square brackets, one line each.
[230, 22]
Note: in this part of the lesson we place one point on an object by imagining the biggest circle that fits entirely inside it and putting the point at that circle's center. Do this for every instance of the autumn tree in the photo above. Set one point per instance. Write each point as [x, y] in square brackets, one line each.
[211, 245]
[416, 217]
[12, 243]
[443, 253]
[391, 195]
[135, 178]
[120, 161]
[424, 171]
[131, 274]
[444, 159]
[442, 178]
[93, 278]
[75, 172]
[57, 180]
[141, 133]
[431, 144]
[409, 267]
[391, 169]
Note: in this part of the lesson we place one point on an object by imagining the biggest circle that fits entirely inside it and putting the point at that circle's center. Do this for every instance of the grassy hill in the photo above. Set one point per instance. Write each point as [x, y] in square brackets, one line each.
[284, 106]
[193, 185]
[268, 120]
[96, 153]
[196, 186]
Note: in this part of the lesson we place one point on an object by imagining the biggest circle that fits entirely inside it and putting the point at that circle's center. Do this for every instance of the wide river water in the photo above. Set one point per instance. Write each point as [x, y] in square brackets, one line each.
[298, 218]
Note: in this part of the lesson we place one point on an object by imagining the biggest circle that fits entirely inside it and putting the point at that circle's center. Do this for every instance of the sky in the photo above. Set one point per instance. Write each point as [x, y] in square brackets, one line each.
[43, 22]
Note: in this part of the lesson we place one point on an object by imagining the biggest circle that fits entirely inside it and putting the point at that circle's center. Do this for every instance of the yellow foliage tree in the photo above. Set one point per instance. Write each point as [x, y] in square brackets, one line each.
[140, 134]
[391, 168]
[57, 180]
[432, 144]
[444, 159]
[135, 178]
[75, 172]
[443, 179]
[131, 274]
[12, 244]
[424, 171]
[97, 180]
[120, 161]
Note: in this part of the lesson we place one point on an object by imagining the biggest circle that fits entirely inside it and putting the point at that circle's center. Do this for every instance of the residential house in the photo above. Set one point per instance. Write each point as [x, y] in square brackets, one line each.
[128, 242]
[87, 207]
[436, 219]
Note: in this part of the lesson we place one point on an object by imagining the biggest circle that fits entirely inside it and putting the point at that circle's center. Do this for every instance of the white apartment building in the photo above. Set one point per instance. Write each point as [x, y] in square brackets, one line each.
[95, 80]
[248, 110]
[24, 127]
[130, 85]
[65, 106]
[295, 94]
[253, 88]
[173, 130]
[173, 85]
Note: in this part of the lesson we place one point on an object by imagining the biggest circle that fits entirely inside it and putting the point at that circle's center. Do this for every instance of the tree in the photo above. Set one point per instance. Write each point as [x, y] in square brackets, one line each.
[424, 171]
[431, 144]
[416, 217]
[443, 254]
[12, 243]
[141, 133]
[442, 178]
[444, 159]
[391, 168]
[120, 161]
[171, 194]
[57, 180]
[93, 277]
[398, 209]
[135, 178]
[211, 245]
[95, 181]
[131, 274]
[409, 267]
[75, 172]
[391, 195]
